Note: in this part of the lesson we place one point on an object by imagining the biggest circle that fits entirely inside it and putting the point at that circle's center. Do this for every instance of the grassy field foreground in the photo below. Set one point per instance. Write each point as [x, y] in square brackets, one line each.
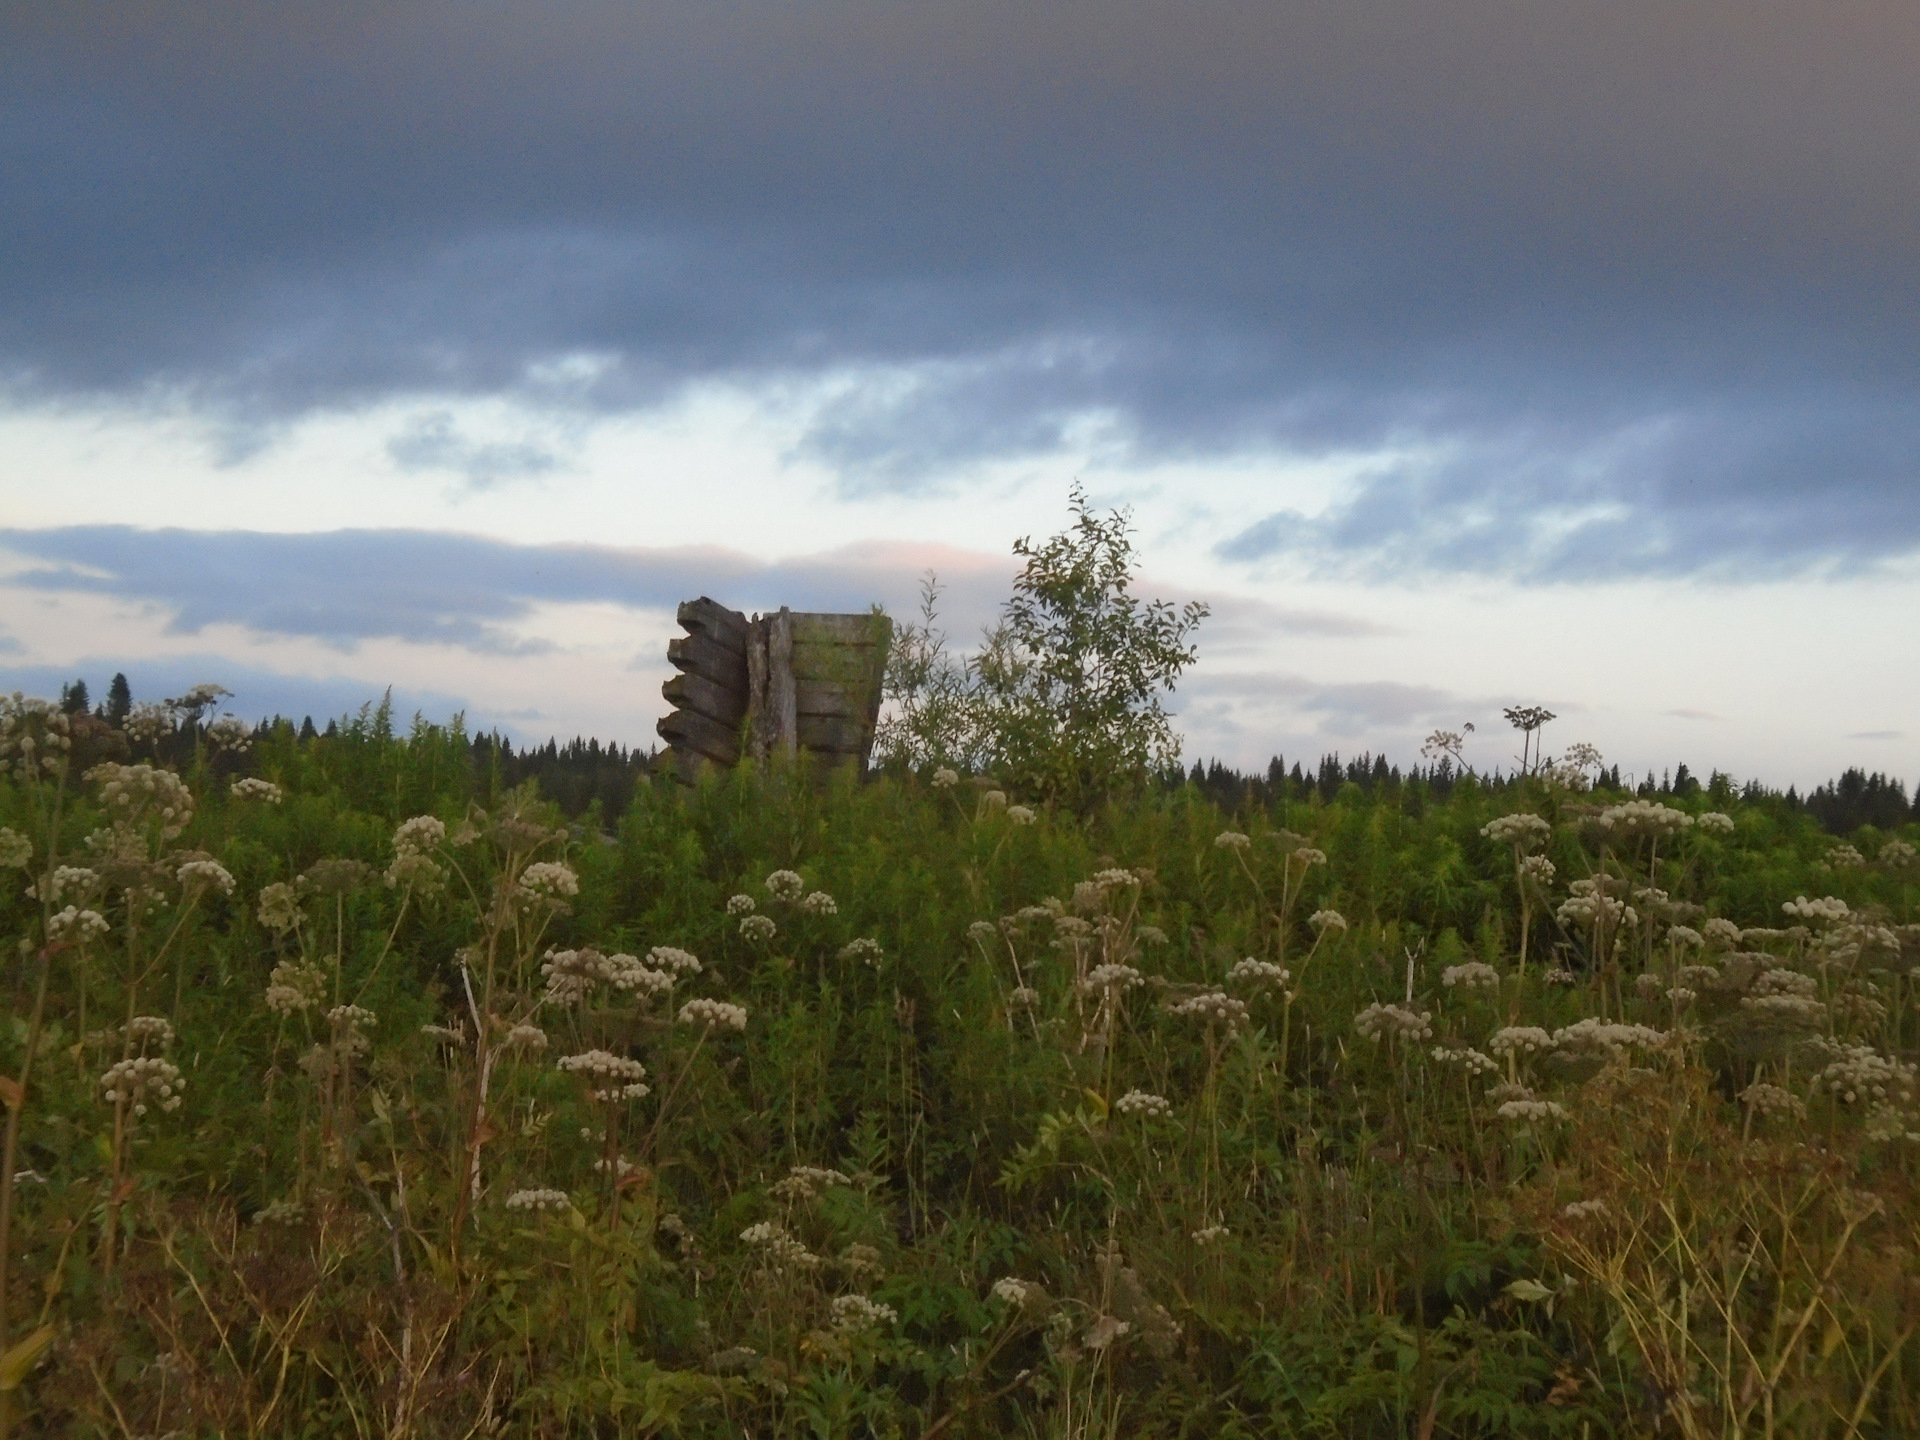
[351, 1093]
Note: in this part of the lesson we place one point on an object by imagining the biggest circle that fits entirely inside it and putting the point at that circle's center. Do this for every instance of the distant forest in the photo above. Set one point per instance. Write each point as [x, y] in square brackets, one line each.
[583, 773]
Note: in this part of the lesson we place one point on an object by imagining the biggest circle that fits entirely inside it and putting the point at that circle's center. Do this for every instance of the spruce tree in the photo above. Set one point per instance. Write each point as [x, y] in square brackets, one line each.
[119, 700]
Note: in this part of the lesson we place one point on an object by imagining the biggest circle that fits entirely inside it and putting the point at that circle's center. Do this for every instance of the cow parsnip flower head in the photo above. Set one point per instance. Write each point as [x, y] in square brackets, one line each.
[1526, 832]
[538, 1200]
[1258, 973]
[1021, 814]
[294, 987]
[36, 737]
[1232, 840]
[854, 1313]
[148, 1032]
[251, 787]
[1471, 1060]
[1328, 920]
[1394, 1022]
[1532, 1112]
[143, 795]
[79, 884]
[142, 1081]
[1643, 817]
[1829, 908]
[713, 1014]
[147, 721]
[1215, 1007]
[786, 885]
[945, 779]
[279, 908]
[1520, 1040]
[865, 951]
[1474, 975]
[757, 927]
[77, 927]
[419, 835]
[1720, 932]
[16, 850]
[1114, 979]
[1895, 854]
[230, 734]
[1144, 1104]
[204, 875]
[550, 880]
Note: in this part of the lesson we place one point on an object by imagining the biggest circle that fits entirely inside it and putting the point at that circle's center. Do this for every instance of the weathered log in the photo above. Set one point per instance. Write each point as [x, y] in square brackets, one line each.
[813, 628]
[702, 655]
[714, 620]
[829, 697]
[781, 710]
[690, 730]
[693, 691]
[759, 727]
[845, 736]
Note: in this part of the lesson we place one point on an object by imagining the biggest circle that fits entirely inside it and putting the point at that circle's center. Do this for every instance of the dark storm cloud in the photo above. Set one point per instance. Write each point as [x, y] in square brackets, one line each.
[1629, 282]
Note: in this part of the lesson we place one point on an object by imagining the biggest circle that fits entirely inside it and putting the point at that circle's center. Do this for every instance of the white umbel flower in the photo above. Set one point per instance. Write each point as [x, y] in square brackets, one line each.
[713, 1014]
[1144, 1104]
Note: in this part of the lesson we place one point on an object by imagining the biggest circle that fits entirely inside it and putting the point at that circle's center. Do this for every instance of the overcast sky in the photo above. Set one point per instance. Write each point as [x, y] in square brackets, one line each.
[1459, 354]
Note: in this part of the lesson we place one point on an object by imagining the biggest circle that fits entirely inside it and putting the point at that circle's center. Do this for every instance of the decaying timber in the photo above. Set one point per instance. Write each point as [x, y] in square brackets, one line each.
[782, 684]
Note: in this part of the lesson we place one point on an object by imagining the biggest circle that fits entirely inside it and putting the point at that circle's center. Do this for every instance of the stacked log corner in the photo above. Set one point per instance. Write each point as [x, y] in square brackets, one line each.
[709, 695]
[783, 684]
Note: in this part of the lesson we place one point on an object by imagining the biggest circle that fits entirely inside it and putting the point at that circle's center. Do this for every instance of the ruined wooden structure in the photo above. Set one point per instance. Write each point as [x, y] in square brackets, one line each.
[783, 684]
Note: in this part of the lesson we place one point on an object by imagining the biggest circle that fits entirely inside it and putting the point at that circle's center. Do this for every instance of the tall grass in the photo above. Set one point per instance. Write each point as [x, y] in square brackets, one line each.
[975, 1118]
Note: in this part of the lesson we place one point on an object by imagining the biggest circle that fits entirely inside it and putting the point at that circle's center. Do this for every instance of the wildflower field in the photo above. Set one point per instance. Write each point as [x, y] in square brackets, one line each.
[351, 1092]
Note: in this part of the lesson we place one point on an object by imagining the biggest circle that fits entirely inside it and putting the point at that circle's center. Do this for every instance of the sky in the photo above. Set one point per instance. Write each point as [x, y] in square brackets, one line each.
[1458, 355]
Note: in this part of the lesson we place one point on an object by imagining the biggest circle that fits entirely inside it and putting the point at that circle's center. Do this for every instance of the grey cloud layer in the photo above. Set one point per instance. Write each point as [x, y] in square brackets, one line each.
[345, 586]
[1640, 304]
[434, 587]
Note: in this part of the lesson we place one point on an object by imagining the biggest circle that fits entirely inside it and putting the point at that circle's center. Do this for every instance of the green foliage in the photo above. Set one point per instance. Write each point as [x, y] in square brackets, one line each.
[1074, 675]
[1063, 700]
[1228, 1211]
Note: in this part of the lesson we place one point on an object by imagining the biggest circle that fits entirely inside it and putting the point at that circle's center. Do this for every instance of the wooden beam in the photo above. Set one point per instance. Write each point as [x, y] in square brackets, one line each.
[693, 691]
[819, 629]
[702, 655]
[836, 735]
[690, 730]
[781, 712]
[707, 617]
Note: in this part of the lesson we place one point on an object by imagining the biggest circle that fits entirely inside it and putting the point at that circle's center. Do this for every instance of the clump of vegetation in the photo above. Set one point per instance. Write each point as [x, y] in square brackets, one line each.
[352, 1089]
[1063, 700]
